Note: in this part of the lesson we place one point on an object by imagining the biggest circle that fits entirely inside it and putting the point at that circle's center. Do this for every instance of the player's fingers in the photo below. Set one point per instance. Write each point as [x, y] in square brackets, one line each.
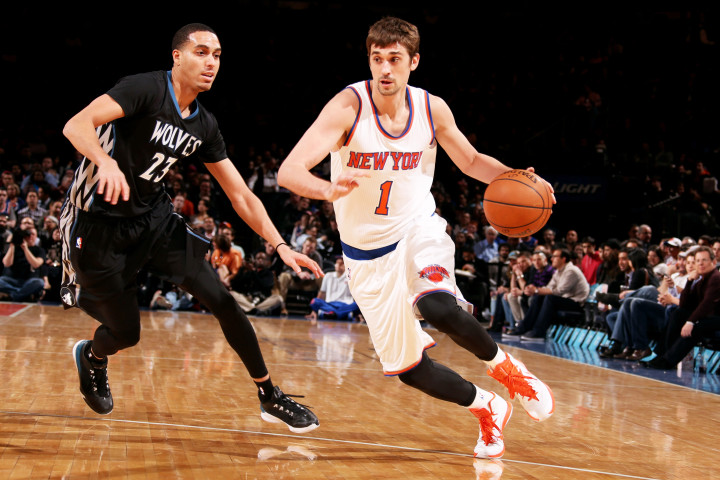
[125, 190]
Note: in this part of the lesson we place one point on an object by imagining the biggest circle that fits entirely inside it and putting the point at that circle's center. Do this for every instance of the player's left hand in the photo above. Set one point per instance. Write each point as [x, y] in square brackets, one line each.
[295, 260]
[552, 190]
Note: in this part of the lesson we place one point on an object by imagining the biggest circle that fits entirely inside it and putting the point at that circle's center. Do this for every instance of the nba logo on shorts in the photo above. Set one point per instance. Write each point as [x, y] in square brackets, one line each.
[78, 242]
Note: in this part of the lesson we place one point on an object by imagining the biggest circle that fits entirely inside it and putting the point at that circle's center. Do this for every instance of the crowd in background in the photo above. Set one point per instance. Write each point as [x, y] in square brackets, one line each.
[632, 102]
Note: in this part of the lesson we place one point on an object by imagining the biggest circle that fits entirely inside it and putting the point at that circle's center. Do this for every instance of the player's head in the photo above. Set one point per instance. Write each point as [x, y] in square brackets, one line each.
[196, 56]
[389, 31]
[392, 46]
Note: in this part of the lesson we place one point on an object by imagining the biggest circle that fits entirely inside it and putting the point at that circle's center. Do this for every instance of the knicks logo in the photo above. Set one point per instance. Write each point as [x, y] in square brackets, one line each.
[434, 273]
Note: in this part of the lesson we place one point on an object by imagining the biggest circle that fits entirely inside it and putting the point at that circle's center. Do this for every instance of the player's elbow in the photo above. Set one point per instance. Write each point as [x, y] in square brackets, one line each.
[284, 176]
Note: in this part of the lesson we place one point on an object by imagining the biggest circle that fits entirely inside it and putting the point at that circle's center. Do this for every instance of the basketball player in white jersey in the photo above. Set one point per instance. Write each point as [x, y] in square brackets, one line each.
[383, 137]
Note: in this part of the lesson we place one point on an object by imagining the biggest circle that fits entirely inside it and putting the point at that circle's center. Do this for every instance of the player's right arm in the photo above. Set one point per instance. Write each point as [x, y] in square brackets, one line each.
[80, 130]
[324, 135]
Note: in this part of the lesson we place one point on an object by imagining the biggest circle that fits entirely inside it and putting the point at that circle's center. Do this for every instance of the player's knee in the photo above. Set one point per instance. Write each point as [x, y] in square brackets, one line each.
[440, 310]
[127, 338]
[416, 377]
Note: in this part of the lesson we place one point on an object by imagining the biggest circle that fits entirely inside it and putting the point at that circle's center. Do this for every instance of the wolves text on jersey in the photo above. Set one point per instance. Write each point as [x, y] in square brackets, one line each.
[174, 137]
[377, 160]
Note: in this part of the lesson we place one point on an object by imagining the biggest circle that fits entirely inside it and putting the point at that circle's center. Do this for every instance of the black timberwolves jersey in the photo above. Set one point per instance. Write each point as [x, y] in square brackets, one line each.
[145, 143]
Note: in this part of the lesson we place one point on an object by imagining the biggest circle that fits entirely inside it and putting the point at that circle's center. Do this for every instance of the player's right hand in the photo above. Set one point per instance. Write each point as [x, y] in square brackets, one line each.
[112, 182]
[344, 184]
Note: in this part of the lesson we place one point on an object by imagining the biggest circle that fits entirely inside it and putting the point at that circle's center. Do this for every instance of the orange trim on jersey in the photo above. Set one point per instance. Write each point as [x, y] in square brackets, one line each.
[428, 292]
[377, 120]
[390, 374]
[357, 117]
[429, 117]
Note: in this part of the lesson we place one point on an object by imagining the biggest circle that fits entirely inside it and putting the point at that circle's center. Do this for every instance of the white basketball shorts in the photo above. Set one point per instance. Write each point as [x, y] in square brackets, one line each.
[387, 287]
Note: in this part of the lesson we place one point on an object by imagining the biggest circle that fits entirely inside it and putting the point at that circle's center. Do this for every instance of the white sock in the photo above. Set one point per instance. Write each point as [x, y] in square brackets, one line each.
[482, 397]
[499, 358]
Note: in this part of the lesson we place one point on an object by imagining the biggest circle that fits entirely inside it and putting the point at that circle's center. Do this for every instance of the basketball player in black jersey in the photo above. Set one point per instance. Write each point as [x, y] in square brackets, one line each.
[119, 219]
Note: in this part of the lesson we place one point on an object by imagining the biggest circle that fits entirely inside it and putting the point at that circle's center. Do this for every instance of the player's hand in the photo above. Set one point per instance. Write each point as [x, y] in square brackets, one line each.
[552, 190]
[295, 259]
[344, 184]
[112, 183]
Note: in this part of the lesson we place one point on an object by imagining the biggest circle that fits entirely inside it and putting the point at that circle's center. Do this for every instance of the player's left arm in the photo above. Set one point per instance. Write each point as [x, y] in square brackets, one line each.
[253, 212]
[472, 163]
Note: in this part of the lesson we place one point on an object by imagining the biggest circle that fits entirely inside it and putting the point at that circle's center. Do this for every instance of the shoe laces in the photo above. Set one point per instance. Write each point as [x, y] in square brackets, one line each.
[99, 379]
[487, 424]
[514, 380]
[289, 402]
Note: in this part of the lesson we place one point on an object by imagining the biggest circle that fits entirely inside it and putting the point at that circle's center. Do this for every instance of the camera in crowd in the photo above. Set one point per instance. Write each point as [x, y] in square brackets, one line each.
[19, 236]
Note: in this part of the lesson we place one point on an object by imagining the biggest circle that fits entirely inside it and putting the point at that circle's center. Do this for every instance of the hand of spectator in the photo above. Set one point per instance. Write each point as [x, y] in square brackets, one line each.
[687, 329]
[468, 267]
[295, 260]
[666, 299]
[530, 290]
[516, 292]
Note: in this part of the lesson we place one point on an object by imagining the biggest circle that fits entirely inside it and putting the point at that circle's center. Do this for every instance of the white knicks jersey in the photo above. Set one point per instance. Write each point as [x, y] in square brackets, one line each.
[401, 168]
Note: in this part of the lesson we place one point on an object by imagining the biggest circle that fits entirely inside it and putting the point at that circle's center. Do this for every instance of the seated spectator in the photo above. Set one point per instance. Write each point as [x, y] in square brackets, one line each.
[656, 262]
[591, 260]
[203, 211]
[255, 286]
[698, 315]
[567, 290]
[674, 247]
[487, 248]
[515, 301]
[5, 234]
[32, 209]
[225, 260]
[7, 209]
[21, 279]
[209, 228]
[334, 299]
[226, 229]
[305, 280]
[571, 239]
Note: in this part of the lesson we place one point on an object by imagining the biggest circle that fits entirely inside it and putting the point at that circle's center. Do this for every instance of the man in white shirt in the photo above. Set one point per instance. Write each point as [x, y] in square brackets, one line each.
[334, 296]
[567, 290]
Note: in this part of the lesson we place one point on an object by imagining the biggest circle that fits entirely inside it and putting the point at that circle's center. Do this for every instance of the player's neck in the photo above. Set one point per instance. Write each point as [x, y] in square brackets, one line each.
[184, 95]
[393, 106]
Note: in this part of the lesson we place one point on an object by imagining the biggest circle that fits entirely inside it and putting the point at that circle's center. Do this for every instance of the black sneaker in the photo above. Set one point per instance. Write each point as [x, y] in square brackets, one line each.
[280, 408]
[93, 379]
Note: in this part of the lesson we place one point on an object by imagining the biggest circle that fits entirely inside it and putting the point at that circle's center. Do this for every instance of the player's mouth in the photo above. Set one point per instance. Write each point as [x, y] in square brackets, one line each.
[386, 83]
[209, 76]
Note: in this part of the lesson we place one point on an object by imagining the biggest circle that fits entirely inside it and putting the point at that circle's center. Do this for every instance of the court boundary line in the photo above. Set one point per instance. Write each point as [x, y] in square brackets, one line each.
[306, 437]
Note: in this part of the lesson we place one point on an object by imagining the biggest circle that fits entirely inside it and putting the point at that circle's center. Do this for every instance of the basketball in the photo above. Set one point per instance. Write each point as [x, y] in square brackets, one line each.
[518, 203]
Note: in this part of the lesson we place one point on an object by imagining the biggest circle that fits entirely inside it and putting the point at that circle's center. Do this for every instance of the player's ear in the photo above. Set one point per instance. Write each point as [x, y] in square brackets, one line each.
[176, 57]
[414, 61]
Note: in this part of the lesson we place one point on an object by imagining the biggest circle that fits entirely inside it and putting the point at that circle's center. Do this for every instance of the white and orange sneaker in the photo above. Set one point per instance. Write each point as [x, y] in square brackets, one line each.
[534, 395]
[493, 417]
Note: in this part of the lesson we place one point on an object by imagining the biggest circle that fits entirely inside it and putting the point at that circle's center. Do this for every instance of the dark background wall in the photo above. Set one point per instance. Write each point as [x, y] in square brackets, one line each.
[592, 96]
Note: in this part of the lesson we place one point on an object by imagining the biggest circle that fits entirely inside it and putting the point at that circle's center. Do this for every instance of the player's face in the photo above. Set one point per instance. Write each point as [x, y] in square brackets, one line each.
[197, 62]
[391, 67]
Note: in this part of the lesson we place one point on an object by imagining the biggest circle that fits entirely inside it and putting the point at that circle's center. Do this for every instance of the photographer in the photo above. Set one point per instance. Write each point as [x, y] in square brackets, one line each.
[21, 278]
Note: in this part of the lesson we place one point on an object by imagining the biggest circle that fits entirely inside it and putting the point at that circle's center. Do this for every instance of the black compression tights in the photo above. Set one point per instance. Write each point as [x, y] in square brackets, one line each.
[120, 319]
[440, 382]
[442, 312]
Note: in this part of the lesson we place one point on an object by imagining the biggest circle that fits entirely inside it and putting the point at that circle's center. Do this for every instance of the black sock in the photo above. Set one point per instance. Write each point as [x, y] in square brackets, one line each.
[92, 357]
[265, 390]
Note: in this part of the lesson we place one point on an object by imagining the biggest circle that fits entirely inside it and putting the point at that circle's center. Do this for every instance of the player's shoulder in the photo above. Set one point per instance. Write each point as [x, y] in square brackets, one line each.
[156, 78]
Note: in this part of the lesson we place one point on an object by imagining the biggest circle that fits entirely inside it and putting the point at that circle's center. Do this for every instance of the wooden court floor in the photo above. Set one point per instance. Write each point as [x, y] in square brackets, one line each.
[186, 408]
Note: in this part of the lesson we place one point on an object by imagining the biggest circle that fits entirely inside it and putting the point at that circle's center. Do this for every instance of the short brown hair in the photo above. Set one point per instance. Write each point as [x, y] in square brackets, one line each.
[182, 35]
[390, 30]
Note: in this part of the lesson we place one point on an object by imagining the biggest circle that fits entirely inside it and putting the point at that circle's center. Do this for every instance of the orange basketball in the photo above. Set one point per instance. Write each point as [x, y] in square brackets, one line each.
[518, 203]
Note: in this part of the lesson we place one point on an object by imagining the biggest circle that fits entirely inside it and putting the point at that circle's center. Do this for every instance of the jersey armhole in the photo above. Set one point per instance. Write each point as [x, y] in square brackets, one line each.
[357, 117]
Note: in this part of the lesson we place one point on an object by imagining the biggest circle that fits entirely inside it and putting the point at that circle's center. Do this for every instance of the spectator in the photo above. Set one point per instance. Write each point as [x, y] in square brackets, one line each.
[255, 286]
[32, 210]
[571, 239]
[548, 239]
[698, 315]
[226, 229]
[209, 228]
[203, 211]
[305, 280]
[225, 260]
[334, 299]
[567, 290]
[473, 279]
[6, 208]
[487, 248]
[674, 246]
[591, 260]
[21, 279]
[644, 236]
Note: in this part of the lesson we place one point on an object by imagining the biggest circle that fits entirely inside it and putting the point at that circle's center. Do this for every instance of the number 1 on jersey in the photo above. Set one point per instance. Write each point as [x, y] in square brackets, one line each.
[382, 208]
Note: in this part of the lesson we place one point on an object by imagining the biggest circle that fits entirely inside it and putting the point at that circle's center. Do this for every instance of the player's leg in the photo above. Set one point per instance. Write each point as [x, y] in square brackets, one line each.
[431, 253]
[442, 383]
[182, 260]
